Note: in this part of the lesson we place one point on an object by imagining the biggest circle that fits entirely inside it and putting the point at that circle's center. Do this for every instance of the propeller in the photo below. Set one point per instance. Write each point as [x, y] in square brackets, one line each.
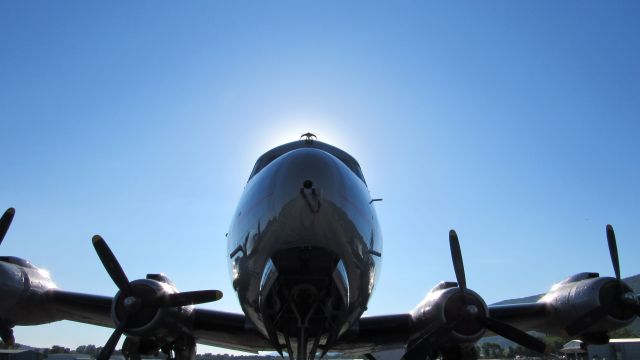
[6, 333]
[135, 301]
[458, 264]
[428, 343]
[613, 250]
[621, 298]
[5, 222]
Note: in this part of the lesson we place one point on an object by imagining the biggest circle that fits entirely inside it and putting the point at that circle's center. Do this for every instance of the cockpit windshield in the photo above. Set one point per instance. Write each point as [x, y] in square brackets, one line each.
[275, 153]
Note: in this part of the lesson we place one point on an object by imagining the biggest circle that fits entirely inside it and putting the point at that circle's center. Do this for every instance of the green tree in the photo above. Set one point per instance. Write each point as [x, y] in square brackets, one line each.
[510, 352]
[555, 343]
[56, 349]
[490, 350]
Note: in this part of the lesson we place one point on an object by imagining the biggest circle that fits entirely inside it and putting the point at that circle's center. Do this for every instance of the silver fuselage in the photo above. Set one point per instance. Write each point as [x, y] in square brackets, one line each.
[304, 246]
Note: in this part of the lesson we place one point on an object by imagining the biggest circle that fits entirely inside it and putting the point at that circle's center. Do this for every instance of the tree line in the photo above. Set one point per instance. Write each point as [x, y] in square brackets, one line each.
[489, 350]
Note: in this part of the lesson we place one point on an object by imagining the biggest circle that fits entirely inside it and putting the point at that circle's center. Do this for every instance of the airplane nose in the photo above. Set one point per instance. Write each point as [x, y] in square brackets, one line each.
[310, 175]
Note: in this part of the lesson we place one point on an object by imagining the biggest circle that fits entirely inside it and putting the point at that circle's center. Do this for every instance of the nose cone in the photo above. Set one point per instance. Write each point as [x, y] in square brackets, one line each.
[309, 173]
[319, 201]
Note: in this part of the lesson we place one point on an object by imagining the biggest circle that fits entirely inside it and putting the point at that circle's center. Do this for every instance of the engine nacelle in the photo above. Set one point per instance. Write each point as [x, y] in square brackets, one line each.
[444, 304]
[150, 322]
[23, 288]
[581, 293]
[13, 285]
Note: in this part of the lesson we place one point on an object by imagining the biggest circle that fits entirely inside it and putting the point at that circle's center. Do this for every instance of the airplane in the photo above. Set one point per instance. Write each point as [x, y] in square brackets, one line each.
[304, 254]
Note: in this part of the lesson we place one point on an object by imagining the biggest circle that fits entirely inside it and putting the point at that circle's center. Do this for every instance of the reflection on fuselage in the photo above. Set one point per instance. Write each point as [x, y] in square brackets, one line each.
[304, 245]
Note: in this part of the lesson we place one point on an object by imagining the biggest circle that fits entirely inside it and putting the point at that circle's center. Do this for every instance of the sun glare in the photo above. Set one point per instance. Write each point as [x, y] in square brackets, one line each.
[289, 128]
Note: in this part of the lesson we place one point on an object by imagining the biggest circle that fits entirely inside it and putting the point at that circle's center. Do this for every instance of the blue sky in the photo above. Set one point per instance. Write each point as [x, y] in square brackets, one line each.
[515, 123]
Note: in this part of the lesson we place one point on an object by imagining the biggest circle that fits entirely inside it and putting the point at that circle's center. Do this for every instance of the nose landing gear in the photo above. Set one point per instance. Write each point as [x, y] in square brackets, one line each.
[304, 300]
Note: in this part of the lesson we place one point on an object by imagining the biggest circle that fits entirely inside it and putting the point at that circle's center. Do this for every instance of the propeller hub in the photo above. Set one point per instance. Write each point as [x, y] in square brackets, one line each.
[131, 303]
[470, 311]
[465, 309]
[629, 298]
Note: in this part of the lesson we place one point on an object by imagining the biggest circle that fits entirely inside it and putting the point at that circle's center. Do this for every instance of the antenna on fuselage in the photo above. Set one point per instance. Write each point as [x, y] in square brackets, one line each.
[309, 137]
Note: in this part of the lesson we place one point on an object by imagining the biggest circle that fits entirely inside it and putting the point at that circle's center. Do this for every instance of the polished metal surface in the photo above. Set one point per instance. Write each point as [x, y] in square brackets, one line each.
[305, 204]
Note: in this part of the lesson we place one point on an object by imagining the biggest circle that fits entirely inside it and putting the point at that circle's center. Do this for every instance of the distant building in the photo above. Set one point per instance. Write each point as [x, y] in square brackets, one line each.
[616, 349]
[20, 355]
[69, 356]
[574, 350]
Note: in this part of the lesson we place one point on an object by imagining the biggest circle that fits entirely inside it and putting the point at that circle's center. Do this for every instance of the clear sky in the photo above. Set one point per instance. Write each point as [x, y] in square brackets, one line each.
[516, 123]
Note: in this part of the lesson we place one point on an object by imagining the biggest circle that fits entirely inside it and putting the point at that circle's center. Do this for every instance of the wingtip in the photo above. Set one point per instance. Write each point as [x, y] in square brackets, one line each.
[96, 238]
[11, 211]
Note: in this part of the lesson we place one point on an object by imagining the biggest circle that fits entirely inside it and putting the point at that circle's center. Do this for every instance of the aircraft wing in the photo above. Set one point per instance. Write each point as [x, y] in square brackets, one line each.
[84, 308]
[227, 330]
[374, 334]
[584, 306]
[571, 308]
[209, 327]
[233, 331]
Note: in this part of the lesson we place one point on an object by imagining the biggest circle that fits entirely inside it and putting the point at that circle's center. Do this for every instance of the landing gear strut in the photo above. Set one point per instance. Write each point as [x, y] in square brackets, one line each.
[304, 301]
[183, 348]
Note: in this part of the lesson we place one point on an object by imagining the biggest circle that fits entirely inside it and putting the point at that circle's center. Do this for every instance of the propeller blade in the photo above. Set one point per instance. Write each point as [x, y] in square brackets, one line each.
[188, 298]
[5, 222]
[429, 342]
[514, 334]
[456, 256]
[613, 250]
[108, 348]
[111, 264]
[586, 320]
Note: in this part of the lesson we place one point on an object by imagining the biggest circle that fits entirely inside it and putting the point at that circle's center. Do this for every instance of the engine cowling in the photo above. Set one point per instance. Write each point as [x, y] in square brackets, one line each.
[451, 318]
[150, 321]
[23, 287]
[13, 285]
[151, 309]
[444, 304]
[581, 294]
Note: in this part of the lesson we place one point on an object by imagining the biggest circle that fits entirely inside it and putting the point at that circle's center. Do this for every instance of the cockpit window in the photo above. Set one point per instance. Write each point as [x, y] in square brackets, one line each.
[275, 153]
